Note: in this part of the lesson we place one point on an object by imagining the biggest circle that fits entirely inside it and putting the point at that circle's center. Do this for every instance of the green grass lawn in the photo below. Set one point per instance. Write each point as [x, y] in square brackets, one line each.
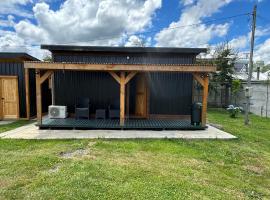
[141, 169]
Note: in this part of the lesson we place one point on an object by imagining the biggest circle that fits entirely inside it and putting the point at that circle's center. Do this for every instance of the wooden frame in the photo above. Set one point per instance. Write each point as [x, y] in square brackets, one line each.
[120, 67]
[126, 73]
[27, 93]
[17, 96]
[39, 80]
[203, 79]
[123, 81]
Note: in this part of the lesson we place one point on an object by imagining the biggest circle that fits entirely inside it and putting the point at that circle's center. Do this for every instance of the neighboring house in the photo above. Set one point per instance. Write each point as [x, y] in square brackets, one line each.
[153, 86]
[15, 99]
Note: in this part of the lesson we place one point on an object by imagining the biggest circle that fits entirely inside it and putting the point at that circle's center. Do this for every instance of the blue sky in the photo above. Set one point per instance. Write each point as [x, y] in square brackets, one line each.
[25, 24]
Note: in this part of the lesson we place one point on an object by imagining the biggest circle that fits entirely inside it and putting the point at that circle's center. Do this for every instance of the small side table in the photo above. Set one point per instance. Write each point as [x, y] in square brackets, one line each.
[100, 114]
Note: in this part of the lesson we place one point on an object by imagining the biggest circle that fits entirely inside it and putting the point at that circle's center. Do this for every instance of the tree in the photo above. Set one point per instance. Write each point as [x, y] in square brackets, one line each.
[224, 59]
[47, 58]
[236, 86]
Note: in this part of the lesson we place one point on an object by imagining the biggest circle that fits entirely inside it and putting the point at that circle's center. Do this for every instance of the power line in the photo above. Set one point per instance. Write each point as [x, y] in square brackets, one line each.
[263, 18]
[145, 32]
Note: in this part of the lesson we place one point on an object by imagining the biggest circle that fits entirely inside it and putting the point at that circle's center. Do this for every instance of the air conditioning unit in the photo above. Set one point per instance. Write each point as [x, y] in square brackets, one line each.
[57, 112]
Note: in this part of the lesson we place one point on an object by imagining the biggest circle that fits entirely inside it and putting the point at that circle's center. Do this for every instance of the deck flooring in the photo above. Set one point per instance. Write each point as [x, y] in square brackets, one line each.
[132, 124]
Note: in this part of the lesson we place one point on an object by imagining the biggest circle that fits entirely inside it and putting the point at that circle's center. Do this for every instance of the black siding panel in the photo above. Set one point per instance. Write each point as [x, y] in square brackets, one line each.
[32, 90]
[99, 87]
[170, 93]
[16, 69]
[125, 58]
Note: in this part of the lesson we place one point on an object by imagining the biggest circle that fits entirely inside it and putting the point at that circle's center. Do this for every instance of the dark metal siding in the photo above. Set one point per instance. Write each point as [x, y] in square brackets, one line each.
[124, 58]
[99, 87]
[16, 69]
[170, 93]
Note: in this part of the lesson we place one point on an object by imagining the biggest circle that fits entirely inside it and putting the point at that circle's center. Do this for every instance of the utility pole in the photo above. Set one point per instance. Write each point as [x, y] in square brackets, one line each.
[248, 88]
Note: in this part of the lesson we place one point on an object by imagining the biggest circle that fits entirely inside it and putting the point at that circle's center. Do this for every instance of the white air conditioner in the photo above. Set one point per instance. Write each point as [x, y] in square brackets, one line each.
[57, 112]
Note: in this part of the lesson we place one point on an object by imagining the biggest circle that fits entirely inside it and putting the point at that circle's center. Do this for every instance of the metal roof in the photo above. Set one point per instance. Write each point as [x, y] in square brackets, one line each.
[124, 49]
[17, 56]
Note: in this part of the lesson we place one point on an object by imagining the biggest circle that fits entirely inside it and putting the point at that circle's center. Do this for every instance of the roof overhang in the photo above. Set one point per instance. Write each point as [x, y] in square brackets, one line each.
[172, 50]
[119, 67]
[16, 56]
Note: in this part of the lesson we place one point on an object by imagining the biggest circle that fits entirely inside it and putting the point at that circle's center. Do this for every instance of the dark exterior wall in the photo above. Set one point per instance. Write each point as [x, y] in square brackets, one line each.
[16, 69]
[170, 93]
[99, 87]
[124, 58]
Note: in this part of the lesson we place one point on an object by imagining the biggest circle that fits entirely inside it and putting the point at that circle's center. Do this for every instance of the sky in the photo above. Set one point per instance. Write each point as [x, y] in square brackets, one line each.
[25, 24]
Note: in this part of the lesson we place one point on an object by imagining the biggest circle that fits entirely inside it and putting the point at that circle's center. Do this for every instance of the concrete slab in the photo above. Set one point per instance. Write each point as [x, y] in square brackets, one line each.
[32, 132]
[5, 122]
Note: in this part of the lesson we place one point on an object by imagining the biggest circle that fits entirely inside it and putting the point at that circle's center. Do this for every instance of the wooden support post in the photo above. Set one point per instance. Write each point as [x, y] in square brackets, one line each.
[115, 76]
[203, 79]
[39, 97]
[204, 101]
[122, 98]
[45, 76]
[122, 80]
[27, 94]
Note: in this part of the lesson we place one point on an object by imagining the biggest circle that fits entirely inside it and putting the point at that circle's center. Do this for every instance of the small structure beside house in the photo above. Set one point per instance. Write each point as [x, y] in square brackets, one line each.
[17, 96]
[153, 87]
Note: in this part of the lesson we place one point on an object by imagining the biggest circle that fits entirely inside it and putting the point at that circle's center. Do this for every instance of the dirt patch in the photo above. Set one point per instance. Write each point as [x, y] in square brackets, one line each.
[254, 169]
[54, 169]
[76, 153]
[91, 144]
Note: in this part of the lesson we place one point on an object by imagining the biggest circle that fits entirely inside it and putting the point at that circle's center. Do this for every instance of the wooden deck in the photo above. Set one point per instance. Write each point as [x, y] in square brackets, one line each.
[130, 124]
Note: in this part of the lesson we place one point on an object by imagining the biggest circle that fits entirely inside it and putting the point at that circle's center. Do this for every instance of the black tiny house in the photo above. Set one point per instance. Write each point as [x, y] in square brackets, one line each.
[13, 102]
[152, 83]
[18, 87]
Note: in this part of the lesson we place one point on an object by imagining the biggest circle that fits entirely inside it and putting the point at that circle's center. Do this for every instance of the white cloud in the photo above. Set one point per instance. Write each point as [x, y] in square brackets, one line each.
[138, 41]
[194, 36]
[242, 42]
[14, 7]
[82, 22]
[187, 2]
[262, 52]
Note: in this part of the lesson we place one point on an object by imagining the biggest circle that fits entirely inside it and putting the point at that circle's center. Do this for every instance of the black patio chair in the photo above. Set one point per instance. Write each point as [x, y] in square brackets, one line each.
[82, 108]
[114, 110]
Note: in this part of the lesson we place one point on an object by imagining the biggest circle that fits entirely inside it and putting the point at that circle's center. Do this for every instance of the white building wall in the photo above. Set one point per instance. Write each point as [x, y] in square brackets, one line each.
[258, 99]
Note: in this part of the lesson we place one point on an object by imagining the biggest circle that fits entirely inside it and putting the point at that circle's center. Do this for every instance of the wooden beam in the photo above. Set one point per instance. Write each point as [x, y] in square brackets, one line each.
[198, 78]
[122, 98]
[130, 76]
[45, 76]
[27, 94]
[204, 100]
[120, 67]
[39, 97]
[1, 101]
[115, 76]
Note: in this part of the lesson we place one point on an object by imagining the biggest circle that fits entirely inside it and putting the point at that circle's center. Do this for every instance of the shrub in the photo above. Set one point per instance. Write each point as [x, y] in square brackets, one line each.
[234, 110]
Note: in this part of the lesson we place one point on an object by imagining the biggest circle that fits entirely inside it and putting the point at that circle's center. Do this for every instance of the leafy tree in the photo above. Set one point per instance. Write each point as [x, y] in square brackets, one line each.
[266, 68]
[236, 86]
[47, 58]
[224, 59]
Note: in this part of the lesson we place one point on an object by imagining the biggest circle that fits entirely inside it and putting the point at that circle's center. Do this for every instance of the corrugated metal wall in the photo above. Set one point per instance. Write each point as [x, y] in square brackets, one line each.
[99, 87]
[16, 69]
[170, 93]
[124, 58]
